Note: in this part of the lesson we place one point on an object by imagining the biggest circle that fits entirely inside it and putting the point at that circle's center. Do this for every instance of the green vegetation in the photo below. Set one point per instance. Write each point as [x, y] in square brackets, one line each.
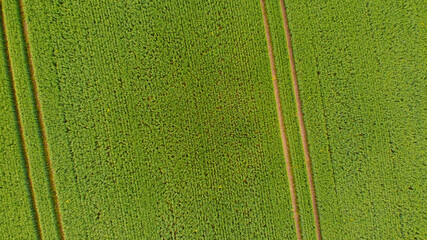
[362, 72]
[161, 122]
[16, 215]
[26, 104]
[305, 210]
[159, 119]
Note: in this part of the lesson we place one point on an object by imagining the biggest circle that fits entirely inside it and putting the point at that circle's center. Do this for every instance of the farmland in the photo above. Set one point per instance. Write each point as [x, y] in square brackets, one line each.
[16, 216]
[186, 120]
[362, 73]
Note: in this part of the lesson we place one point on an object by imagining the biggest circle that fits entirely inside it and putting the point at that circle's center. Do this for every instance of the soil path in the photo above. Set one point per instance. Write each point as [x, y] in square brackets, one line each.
[40, 119]
[301, 121]
[21, 130]
[281, 122]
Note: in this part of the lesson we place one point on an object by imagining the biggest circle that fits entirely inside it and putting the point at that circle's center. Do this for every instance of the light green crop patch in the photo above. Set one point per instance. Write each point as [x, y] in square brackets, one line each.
[362, 82]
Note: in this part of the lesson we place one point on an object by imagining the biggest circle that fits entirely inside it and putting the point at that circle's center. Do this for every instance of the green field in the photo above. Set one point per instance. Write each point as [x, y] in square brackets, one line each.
[158, 119]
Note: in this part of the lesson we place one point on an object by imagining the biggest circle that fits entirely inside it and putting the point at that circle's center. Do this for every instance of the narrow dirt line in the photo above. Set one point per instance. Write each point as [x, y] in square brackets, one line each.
[281, 122]
[301, 121]
[21, 130]
[40, 119]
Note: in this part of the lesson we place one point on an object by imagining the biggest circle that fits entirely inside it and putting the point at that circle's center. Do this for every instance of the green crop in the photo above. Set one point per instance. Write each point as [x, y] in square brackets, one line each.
[17, 219]
[160, 119]
[157, 119]
[362, 73]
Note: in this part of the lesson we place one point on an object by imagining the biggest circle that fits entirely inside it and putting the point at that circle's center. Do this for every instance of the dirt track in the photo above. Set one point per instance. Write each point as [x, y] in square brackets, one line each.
[21, 130]
[40, 118]
[281, 122]
[301, 121]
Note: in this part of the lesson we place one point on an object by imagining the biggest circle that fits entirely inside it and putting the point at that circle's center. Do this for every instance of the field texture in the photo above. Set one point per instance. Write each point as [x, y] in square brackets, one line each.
[16, 217]
[216, 119]
[362, 71]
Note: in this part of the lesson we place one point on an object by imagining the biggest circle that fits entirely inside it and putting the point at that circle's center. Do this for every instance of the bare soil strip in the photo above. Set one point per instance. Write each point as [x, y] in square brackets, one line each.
[21, 130]
[281, 122]
[301, 121]
[41, 121]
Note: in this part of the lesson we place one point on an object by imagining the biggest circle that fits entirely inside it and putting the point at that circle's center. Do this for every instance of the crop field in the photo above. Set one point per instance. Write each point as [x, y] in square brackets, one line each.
[270, 119]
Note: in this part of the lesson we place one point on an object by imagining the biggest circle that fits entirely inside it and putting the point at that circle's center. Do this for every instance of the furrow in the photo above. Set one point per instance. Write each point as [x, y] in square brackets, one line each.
[40, 119]
[281, 122]
[21, 130]
[301, 121]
